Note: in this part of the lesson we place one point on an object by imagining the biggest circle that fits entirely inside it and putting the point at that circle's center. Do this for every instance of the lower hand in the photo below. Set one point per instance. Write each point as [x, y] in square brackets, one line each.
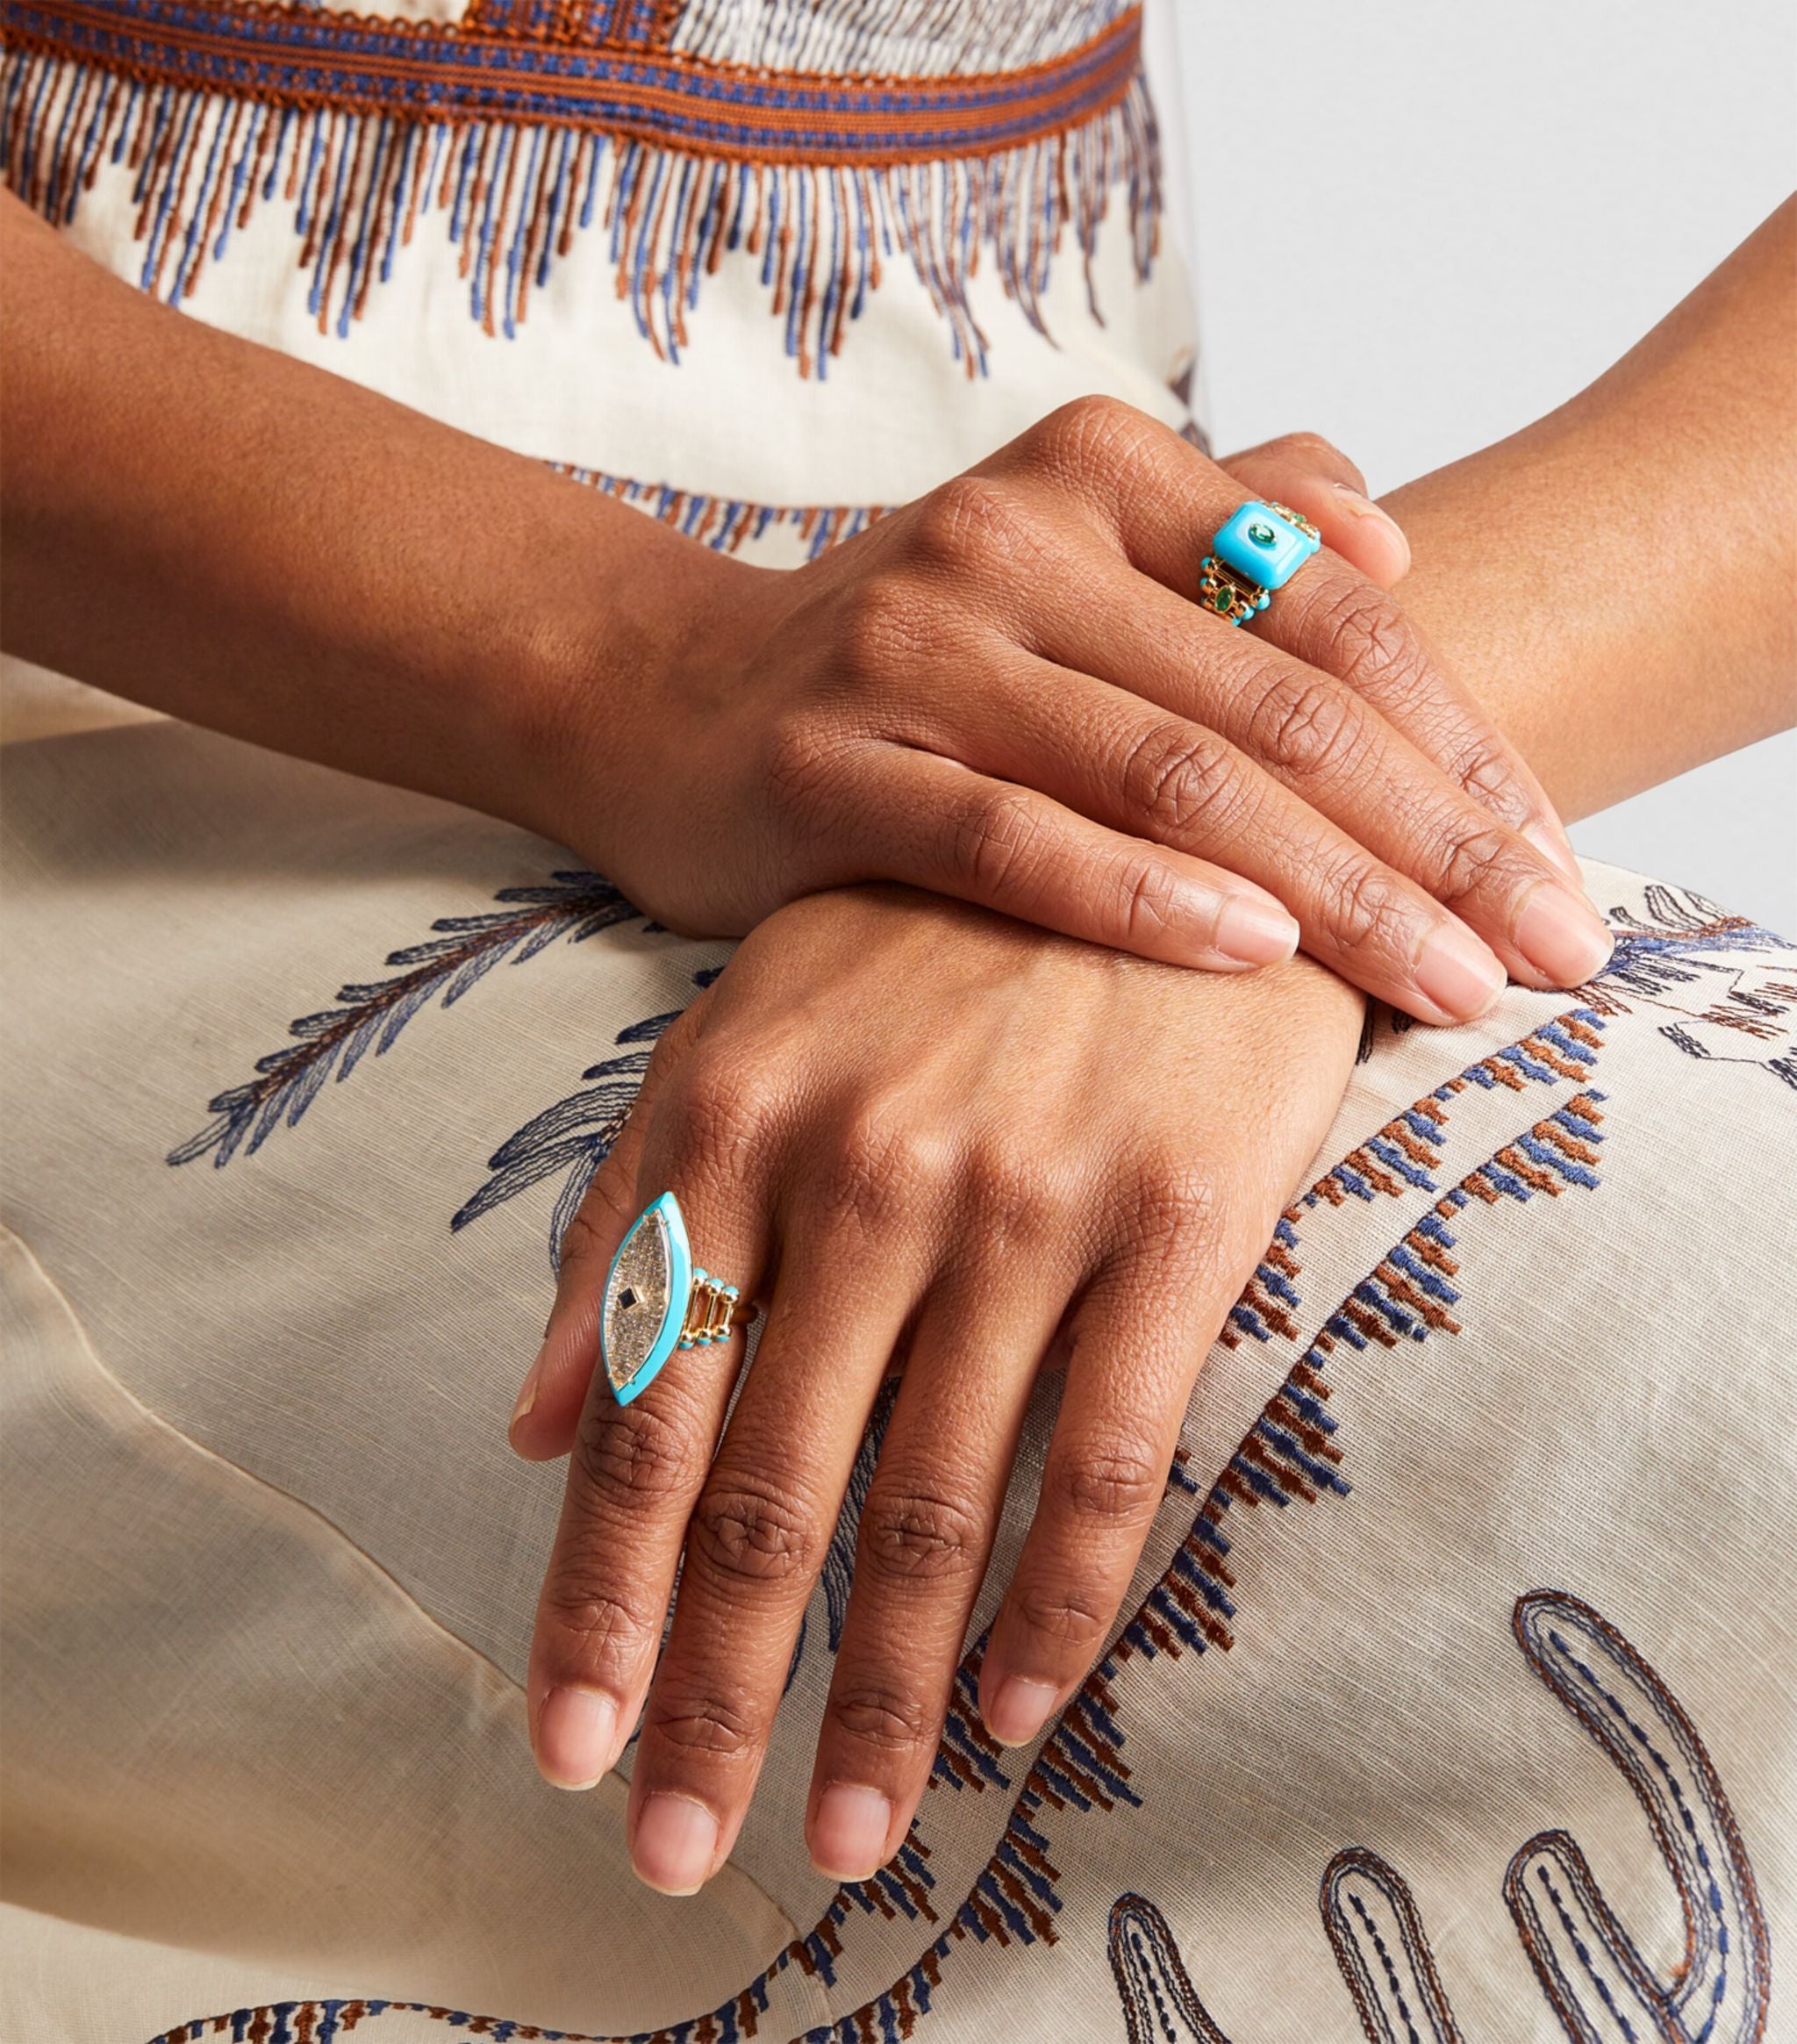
[926, 1134]
[1006, 692]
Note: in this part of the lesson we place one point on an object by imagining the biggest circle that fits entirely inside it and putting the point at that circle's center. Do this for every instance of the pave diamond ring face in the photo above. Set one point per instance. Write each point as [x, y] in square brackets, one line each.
[657, 1301]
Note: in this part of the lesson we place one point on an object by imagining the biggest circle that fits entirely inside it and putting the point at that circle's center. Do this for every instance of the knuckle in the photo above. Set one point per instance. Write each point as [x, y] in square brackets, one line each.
[593, 1626]
[1305, 729]
[1318, 449]
[1106, 1479]
[1364, 910]
[887, 1163]
[1305, 443]
[1481, 862]
[724, 1107]
[1177, 777]
[1364, 639]
[1020, 1198]
[629, 1456]
[968, 518]
[1150, 904]
[912, 1535]
[703, 1721]
[995, 840]
[746, 1533]
[873, 1714]
[1060, 1616]
[1094, 433]
[1179, 1204]
[1484, 768]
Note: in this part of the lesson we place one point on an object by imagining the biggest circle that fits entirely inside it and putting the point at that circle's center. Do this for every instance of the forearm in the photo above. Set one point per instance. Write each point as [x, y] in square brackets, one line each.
[239, 539]
[1615, 583]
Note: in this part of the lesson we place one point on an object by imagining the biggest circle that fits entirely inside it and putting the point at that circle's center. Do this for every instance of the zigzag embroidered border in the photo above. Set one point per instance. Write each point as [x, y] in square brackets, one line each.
[209, 110]
[306, 58]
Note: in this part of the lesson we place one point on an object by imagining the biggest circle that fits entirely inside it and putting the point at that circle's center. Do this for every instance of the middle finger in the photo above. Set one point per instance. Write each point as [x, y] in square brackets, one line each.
[926, 1535]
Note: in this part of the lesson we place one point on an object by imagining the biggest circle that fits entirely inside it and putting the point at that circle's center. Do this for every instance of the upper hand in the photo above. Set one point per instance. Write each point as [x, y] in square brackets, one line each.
[922, 1133]
[1006, 692]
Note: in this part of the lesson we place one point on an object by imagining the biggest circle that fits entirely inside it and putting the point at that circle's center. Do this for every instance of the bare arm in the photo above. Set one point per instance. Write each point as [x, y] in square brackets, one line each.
[219, 531]
[1003, 691]
[1618, 582]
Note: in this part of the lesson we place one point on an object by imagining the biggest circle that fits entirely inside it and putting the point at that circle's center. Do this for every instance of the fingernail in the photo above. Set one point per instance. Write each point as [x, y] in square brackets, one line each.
[1019, 1710]
[1257, 932]
[1562, 935]
[848, 1837]
[527, 1390]
[574, 1737]
[1358, 506]
[1552, 842]
[1457, 971]
[676, 1842]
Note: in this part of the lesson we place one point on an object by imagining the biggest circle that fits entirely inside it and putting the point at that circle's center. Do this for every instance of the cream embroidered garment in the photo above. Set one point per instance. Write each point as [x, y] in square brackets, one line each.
[1454, 1694]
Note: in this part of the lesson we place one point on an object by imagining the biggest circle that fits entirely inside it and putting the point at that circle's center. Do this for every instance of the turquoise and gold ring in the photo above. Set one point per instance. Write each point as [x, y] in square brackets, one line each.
[1259, 550]
[657, 1301]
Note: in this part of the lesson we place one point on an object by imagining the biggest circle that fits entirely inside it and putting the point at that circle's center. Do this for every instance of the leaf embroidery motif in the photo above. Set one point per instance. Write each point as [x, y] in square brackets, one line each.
[370, 1016]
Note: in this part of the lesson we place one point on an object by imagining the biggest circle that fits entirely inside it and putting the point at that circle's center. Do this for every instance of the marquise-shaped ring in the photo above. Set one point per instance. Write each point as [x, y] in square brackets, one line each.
[657, 1301]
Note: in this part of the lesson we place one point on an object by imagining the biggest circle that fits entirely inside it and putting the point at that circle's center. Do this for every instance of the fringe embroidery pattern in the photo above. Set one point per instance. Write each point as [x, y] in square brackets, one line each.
[520, 137]
[725, 524]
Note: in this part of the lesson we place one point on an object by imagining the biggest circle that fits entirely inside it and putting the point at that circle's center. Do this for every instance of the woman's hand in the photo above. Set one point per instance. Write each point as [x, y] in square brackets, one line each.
[1006, 692]
[929, 1134]
[1003, 692]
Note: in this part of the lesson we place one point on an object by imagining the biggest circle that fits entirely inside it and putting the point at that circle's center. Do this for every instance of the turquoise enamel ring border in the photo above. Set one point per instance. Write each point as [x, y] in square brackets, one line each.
[1258, 550]
[657, 1300]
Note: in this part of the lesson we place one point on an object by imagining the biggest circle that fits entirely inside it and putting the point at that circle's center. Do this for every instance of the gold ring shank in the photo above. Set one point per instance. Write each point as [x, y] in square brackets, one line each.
[714, 1311]
[1296, 518]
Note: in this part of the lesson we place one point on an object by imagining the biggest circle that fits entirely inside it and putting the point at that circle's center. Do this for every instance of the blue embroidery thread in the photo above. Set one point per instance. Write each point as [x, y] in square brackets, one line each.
[574, 905]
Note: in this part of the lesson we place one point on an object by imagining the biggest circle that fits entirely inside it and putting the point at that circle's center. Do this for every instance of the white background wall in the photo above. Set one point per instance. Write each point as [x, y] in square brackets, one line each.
[1419, 223]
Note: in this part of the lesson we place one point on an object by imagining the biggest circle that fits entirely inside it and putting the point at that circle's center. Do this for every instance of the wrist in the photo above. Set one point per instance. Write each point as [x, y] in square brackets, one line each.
[579, 696]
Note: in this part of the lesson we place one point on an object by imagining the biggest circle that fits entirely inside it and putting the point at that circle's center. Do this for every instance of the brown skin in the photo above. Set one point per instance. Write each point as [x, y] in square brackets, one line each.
[1002, 691]
[918, 1129]
[1616, 582]
[949, 1121]
[919, 1126]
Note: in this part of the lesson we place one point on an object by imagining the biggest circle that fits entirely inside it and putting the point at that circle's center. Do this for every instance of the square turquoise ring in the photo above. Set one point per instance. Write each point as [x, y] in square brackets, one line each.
[1266, 544]
[1260, 550]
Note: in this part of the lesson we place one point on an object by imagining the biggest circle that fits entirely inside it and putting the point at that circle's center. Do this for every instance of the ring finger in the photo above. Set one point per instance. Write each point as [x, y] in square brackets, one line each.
[759, 1532]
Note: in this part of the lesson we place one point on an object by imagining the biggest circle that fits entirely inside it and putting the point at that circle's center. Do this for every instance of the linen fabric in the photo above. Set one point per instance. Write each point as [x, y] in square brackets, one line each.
[1453, 1694]
[270, 1566]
